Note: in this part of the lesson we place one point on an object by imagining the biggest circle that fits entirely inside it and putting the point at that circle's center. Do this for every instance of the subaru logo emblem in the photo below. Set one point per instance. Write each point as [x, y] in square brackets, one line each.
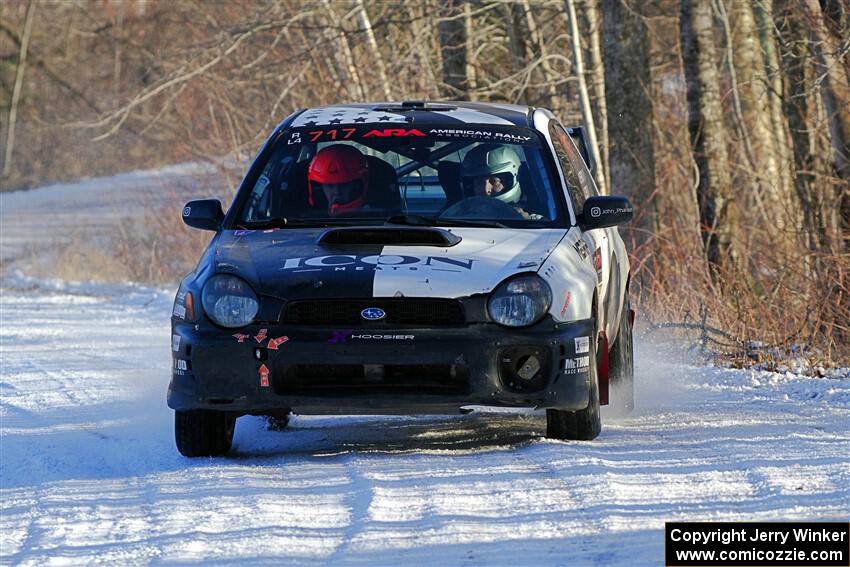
[373, 314]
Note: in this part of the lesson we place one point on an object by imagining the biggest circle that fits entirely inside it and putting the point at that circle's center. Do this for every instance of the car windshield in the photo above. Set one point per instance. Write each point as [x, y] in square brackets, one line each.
[469, 175]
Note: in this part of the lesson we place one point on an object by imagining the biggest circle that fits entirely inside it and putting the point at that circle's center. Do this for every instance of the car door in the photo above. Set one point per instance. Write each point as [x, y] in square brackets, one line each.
[581, 186]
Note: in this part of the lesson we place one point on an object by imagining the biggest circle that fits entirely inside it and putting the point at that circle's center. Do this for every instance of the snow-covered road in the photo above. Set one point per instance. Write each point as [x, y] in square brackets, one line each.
[89, 473]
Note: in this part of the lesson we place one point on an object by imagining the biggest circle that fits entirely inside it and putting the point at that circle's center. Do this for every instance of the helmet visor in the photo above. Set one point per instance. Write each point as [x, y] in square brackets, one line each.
[491, 184]
[340, 194]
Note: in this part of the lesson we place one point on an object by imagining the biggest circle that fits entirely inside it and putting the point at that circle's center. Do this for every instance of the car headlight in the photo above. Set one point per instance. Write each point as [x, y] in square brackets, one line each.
[229, 301]
[520, 301]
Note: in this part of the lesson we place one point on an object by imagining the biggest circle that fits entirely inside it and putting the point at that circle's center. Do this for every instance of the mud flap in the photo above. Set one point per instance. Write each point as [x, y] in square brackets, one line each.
[602, 367]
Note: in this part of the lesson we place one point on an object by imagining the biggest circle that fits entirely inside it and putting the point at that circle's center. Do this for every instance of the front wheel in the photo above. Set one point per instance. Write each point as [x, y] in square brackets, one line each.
[203, 433]
[581, 425]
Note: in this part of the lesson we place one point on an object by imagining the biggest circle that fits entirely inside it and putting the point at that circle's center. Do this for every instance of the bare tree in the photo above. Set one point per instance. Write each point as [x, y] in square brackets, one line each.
[16, 91]
[586, 111]
[630, 104]
[453, 49]
[775, 201]
[376, 52]
[593, 19]
[718, 210]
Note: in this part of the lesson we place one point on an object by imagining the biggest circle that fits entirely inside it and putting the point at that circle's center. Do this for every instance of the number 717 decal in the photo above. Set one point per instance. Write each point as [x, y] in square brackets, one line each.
[332, 134]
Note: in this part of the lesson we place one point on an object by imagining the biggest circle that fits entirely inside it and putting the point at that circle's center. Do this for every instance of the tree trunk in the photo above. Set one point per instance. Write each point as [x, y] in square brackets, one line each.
[835, 88]
[453, 49]
[779, 122]
[718, 211]
[376, 52]
[817, 202]
[16, 90]
[352, 82]
[630, 105]
[586, 111]
[549, 77]
[777, 202]
[593, 18]
[835, 93]
[516, 42]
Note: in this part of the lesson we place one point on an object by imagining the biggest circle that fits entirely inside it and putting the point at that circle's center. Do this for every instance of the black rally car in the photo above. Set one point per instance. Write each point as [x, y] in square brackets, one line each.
[410, 258]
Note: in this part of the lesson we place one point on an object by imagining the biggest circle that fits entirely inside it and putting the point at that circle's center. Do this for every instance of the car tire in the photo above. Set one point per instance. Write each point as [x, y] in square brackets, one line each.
[203, 433]
[581, 425]
[622, 367]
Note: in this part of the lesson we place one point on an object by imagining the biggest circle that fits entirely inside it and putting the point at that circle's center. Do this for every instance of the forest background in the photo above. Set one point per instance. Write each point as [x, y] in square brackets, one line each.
[727, 122]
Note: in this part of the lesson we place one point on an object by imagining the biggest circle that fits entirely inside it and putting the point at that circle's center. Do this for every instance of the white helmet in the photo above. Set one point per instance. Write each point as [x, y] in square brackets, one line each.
[489, 160]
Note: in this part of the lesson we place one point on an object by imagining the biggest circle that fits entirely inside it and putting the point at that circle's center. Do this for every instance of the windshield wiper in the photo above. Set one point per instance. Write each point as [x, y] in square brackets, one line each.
[283, 222]
[420, 220]
[468, 222]
[412, 220]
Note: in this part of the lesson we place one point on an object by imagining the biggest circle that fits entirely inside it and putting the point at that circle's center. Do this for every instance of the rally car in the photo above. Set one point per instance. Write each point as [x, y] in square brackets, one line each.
[406, 258]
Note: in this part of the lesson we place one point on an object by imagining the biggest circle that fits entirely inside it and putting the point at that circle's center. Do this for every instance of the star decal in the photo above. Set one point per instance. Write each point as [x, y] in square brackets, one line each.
[334, 121]
[364, 112]
[361, 119]
[383, 118]
[310, 123]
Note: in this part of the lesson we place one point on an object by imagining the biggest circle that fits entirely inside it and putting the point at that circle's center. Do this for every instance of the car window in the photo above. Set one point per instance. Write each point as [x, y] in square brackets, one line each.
[369, 173]
[577, 176]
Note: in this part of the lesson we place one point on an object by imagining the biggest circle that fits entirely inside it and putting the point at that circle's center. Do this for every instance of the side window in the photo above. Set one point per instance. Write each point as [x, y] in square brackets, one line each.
[563, 149]
[267, 189]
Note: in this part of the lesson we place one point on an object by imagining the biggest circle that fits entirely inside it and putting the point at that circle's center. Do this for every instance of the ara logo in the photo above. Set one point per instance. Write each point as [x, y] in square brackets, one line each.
[393, 132]
[351, 262]
[187, 211]
[373, 314]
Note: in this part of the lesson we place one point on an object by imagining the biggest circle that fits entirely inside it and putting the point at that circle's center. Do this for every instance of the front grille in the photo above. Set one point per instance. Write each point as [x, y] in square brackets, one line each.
[354, 379]
[400, 312]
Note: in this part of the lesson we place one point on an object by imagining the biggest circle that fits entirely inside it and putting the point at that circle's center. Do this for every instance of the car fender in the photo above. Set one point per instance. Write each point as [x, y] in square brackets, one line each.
[572, 278]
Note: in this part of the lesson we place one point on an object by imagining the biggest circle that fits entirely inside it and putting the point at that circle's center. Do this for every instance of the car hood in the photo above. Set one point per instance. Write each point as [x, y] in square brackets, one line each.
[292, 264]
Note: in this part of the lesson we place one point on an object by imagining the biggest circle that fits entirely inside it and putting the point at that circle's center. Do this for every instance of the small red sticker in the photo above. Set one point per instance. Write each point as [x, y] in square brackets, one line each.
[566, 306]
[261, 336]
[241, 338]
[274, 343]
[264, 376]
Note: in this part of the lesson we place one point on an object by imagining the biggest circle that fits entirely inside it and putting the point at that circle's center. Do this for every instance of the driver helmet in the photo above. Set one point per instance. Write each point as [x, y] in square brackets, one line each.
[495, 167]
[341, 173]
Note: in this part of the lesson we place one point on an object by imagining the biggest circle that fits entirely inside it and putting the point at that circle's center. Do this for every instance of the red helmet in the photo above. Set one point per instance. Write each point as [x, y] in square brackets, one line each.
[341, 173]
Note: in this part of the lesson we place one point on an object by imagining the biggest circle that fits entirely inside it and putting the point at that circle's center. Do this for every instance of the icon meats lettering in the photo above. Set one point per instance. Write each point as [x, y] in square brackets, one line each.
[351, 262]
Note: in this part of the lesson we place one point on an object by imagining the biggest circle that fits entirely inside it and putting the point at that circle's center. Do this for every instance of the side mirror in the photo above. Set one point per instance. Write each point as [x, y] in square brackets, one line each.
[205, 214]
[602, 211]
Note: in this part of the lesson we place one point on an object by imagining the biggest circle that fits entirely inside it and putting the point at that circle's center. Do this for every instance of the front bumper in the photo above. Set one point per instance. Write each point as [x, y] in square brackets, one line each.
[320, 370]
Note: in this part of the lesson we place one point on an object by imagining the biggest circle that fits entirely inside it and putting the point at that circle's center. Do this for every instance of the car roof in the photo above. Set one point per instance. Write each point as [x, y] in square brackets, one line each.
[416, 112]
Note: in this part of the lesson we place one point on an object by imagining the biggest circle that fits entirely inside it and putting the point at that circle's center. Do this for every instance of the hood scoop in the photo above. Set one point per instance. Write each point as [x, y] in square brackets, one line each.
[388, 236]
